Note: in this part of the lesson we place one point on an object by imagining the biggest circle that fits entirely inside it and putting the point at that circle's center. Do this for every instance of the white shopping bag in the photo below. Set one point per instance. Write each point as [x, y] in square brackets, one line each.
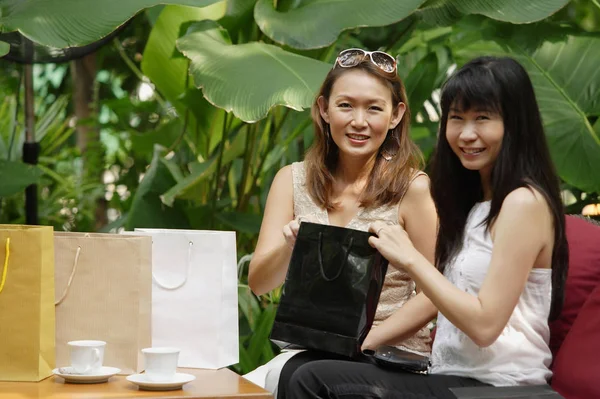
[194, 295]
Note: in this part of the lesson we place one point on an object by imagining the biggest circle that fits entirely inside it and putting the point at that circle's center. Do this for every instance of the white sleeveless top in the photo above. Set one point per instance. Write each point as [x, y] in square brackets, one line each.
[520, 356]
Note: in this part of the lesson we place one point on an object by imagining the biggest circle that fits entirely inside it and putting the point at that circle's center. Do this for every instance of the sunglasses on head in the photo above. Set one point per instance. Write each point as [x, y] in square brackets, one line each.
[354, 56]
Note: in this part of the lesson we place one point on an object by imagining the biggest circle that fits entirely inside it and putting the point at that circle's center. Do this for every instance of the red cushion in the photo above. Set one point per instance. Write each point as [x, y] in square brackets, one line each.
[577, 368]
[584, 275]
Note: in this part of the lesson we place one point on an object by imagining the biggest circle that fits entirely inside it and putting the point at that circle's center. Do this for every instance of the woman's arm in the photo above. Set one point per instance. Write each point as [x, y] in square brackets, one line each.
[269, 263]
[402, 324]
[418, 216]
[521, 232]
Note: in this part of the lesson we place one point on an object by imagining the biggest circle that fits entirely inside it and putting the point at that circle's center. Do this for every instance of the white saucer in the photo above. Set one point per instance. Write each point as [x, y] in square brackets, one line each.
[101, 376]
[176, 383]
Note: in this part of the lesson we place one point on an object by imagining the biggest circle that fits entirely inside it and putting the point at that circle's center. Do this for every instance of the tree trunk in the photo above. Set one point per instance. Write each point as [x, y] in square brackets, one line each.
[83, 71]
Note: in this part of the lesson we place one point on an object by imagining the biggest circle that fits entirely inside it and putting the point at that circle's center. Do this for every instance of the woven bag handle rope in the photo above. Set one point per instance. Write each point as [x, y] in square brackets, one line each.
[66, 290]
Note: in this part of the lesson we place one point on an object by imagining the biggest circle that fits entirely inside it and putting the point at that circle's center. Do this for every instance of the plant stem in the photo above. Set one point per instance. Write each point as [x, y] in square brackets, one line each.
[228, 167]
[325, 54]
[185, 120]
[400, 35]
[273, 133]
[217, 172]
[246, 168]
[283, 118]
[136, 71]
[15, 115]
[182, 133]
[596, 3]
[270, 145]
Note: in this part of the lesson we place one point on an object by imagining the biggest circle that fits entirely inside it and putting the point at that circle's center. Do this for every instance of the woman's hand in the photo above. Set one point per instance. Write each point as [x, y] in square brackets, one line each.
[393, 243]
[290, 232]
[370, 342]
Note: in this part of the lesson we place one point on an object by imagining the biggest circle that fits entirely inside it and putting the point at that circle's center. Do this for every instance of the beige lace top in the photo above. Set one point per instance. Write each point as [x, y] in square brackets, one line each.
[398, 286]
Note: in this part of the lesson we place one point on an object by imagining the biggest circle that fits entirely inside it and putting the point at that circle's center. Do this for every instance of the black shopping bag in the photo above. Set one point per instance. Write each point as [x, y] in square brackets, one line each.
[331, 290]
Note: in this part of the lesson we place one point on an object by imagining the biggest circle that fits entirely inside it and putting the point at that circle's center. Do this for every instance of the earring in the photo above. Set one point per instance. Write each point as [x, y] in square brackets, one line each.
[384, 154]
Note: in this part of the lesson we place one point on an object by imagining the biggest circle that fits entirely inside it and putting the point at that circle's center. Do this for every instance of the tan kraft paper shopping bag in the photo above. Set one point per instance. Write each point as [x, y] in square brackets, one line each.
[26, 302]
[104, 292]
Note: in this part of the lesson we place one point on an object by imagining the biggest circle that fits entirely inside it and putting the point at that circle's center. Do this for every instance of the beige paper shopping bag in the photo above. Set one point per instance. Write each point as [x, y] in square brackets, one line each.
[104, 292]
[26, 303]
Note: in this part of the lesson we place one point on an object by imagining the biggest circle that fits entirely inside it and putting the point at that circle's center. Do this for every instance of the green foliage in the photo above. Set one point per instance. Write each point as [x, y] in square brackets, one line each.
[70, 23]
[147, 210]
[15, 176]
[255, 347]
[318, 23]
[4, 48]
[167, 69]
[256, 319]
[276, 77]
[446, 12]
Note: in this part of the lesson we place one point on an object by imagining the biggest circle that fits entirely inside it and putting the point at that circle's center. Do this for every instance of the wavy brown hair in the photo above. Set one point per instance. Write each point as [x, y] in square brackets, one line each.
[389, 179]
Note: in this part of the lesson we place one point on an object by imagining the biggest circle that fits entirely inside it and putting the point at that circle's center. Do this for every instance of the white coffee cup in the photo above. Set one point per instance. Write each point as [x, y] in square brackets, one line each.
[160, 363]
[87, 356]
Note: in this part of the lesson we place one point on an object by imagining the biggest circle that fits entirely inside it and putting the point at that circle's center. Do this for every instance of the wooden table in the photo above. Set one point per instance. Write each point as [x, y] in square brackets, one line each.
[222, 383]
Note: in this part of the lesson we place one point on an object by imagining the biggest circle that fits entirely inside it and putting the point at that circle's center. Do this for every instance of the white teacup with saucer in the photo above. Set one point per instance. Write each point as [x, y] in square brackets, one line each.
[161, 371]
[86, 367]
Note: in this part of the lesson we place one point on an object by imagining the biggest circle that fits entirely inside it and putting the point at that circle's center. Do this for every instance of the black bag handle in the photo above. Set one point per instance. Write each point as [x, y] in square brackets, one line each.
[321, 258]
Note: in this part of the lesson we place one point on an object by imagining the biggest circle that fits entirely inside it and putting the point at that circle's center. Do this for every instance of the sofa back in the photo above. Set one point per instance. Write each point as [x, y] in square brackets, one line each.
[575, 336]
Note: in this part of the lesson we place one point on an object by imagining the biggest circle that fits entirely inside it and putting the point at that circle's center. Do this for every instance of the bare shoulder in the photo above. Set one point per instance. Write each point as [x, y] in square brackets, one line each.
[282, 186]
[525, 224]
[522, 207]
[418, 216]
[284, 173]
[524, 200]
[284, 176]
[417, 201]
[419, 187]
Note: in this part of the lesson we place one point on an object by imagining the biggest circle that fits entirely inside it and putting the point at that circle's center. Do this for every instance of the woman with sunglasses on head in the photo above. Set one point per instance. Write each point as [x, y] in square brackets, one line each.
[501, 251]
[362, 167]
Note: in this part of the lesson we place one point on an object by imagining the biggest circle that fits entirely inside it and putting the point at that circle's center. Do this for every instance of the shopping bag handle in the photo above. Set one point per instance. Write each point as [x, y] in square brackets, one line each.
[187, 273]
[66, 290]
[5, 269]
[320, 257]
